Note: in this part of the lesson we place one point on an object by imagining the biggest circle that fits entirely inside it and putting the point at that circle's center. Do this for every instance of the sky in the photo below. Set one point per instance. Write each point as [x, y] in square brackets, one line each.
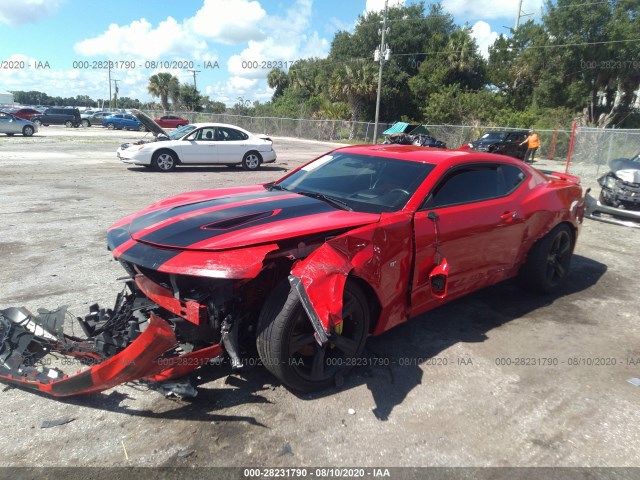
[60, 47]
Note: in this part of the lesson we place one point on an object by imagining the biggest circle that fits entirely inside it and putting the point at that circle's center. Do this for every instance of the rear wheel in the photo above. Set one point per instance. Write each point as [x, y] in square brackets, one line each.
[68, 124]
[251, 161]
[38, 122]
[287, 346]
[85, 123]
[164, 161]
[27, 131]
[548, 261]
[142, 128]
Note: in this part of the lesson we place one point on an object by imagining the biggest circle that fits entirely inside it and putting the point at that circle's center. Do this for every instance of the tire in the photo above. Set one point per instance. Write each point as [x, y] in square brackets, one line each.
[142, 128]
[85, 123]
[251, 161]
[164, 161]
[547, 265]
[288, 349]
[110, 126]
[68, 124]
[27, 130]
[179, 126]
[38, 122]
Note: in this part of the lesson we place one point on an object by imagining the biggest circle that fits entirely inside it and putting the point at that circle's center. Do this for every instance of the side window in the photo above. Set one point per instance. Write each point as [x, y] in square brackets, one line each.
[474, 184]
[204, 134]
[230, 134]
[466, 185]
[509, 178]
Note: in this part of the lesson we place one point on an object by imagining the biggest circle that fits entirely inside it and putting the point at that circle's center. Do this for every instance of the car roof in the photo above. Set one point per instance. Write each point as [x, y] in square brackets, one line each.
[431, 155]
[199, 125]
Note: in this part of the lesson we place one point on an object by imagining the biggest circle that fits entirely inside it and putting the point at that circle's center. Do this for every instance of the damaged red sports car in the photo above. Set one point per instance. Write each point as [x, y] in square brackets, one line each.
[305, 268]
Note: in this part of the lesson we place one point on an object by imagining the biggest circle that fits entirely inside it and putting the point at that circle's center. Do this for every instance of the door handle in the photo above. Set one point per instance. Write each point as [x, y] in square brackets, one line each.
[508, 217]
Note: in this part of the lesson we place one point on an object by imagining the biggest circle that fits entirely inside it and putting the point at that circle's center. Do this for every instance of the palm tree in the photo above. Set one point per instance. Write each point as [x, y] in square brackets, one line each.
[356, 84]
[164, 85]
[278, 80]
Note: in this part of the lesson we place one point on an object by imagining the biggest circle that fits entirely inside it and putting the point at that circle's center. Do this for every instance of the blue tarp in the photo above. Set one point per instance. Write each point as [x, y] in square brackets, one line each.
[398, 127]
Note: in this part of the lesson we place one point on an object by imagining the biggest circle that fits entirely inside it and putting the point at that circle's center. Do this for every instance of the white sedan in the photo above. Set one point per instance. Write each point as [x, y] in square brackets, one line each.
[199, 144]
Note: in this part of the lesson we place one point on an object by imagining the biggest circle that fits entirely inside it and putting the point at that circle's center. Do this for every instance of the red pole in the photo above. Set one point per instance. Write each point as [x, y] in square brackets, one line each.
[573, 136]
[553, 144]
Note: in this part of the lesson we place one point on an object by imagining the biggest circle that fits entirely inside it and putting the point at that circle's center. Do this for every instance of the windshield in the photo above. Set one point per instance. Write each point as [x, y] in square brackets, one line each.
[178, 133]
[358, 182]
[493, 136]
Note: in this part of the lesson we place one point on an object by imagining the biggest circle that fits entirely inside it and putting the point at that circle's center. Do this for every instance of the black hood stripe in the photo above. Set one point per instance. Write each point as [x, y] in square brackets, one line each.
[148, 256]
[187, 232]
[149, 219]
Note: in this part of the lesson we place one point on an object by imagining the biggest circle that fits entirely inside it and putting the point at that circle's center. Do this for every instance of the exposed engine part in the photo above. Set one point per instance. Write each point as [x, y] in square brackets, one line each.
[419, 139]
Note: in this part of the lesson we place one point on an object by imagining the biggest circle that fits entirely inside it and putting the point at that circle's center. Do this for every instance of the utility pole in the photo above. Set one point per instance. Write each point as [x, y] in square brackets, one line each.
[520, 14]
[109, 86]
[381, 55]
[116, 82]
[194, 78]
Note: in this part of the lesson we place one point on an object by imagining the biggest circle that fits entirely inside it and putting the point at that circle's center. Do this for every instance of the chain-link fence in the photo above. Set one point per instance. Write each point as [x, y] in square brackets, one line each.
[594, 148]
[324, 130]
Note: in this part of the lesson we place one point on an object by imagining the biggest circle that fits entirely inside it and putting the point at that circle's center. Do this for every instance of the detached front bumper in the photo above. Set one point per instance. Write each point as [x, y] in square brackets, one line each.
[595, 210]
[150, 356]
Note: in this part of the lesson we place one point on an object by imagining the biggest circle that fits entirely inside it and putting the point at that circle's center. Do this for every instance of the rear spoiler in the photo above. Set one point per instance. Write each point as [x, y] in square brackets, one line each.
[561, 176]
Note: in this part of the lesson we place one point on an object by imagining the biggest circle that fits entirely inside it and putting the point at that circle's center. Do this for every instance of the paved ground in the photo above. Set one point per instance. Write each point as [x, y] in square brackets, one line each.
[454, 392]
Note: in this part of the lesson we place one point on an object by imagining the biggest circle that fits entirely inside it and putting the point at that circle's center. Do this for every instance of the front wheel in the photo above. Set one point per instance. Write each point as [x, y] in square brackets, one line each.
[287, 346]
[27, 131]
[142, 128]
[548, 261]
[38, 122]
[86, 123]
[164, 161]
[68, 124]
[251, 161]
[110, 126]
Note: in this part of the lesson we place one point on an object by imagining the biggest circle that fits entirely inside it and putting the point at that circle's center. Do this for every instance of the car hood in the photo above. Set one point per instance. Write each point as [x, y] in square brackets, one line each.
[624, 164]
[233, 218]
[148, 122]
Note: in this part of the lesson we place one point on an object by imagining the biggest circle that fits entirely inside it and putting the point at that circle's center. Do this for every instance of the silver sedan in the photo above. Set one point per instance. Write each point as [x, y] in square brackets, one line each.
[11, 125]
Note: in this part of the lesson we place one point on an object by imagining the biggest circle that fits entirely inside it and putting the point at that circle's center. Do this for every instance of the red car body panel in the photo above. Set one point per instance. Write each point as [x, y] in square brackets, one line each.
[247, 236]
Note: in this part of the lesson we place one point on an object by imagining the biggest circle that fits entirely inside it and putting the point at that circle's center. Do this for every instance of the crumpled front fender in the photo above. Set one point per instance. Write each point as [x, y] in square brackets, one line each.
[378, 254]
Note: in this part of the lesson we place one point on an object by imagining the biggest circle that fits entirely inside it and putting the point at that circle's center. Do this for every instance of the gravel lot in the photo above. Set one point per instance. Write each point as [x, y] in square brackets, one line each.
[452, 394]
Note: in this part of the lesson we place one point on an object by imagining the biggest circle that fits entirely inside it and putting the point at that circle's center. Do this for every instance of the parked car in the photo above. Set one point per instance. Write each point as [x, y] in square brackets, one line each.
[94, 118]
[24, 113]
[10, 125]
[619, 198]
[198, 144]
[123, 121]
[69, 117]
[501, 142]
[171, 121]
[305, 268]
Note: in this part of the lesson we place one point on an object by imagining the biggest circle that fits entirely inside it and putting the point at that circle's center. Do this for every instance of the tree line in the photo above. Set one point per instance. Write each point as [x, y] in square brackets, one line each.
[580, 63]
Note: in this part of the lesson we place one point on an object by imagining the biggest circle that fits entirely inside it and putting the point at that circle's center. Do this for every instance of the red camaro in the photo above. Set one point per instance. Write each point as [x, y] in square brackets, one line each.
[171, 121]
[306, 268]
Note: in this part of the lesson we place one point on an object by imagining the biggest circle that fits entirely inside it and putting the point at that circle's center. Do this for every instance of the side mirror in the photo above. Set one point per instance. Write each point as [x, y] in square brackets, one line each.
[438, 279]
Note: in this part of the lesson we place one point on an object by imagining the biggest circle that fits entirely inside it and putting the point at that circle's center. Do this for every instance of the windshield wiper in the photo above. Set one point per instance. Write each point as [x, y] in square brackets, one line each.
[336, 202]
